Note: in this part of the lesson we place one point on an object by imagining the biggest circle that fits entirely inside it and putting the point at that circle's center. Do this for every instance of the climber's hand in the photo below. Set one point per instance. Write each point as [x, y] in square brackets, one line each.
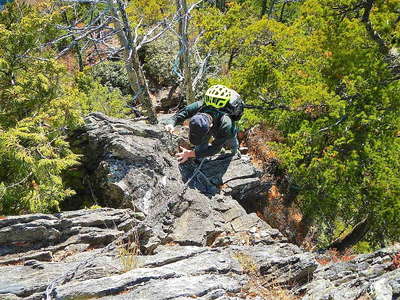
[170, 128]
[185, 155]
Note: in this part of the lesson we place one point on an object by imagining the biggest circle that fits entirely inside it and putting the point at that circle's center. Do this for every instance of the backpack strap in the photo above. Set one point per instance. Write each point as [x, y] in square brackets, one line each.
[217, 116]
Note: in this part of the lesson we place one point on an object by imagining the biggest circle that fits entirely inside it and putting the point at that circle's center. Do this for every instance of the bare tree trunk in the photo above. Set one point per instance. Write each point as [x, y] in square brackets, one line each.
[271, 8]
[282, 11]
[124, 43]
[353, 237]
[136, 78]
[220, 4]
[231, 57]
[144, 89]
[77, 47]
[184, 60]
[372, 33]
[263, 8]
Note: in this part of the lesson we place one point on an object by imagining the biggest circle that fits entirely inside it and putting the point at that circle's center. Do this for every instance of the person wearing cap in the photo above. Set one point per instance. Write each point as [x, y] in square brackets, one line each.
[205, 122]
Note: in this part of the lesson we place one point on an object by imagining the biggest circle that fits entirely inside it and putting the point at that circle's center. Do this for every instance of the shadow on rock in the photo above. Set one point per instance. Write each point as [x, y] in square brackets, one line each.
[209, 177]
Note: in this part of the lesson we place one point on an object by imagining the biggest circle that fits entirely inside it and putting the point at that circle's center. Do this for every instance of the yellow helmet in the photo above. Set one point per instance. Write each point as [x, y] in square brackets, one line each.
[218, 96]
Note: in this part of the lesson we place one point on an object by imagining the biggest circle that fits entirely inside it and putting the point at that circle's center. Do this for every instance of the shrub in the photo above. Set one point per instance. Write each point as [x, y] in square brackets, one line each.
[159, 59]
[111, 74]
[97, 97]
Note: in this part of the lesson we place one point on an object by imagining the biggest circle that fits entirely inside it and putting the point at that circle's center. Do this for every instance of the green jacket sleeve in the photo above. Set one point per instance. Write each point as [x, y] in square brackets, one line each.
[185, 113]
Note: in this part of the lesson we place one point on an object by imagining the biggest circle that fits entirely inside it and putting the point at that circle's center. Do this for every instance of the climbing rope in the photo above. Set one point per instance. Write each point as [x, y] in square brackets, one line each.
[197, 170]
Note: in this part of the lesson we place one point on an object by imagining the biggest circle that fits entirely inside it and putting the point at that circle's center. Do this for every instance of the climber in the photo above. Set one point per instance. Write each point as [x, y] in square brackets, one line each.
[214, 117]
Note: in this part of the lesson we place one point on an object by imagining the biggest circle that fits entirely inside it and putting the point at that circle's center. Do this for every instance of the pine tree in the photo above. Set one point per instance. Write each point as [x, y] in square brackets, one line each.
[36, 109]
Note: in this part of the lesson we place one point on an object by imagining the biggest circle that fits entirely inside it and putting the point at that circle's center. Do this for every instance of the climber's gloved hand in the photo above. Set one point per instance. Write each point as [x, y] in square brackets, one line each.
[170, 128]
[185, 155]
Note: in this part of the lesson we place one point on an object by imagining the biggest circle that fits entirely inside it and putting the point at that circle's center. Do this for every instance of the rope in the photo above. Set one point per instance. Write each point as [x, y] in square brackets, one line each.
[197, 170]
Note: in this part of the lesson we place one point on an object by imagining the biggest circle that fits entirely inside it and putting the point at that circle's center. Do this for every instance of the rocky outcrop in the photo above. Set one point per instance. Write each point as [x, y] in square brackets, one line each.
[179, 232]
[132, 166]
[99, 271]
[374, 275]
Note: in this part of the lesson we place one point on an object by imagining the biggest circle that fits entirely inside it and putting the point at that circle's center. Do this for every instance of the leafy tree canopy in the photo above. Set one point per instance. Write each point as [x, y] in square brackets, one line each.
[341, 120]
[39, 103]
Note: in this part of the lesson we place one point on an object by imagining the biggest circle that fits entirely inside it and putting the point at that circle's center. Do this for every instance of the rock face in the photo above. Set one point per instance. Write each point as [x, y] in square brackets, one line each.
[177, 232]
[371, 274]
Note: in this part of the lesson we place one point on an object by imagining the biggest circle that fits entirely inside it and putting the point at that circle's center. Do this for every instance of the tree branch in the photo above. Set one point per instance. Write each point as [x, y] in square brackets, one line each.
[201, 72]
[335, 124]
[354, 236]
[372, 33]
[272, 107]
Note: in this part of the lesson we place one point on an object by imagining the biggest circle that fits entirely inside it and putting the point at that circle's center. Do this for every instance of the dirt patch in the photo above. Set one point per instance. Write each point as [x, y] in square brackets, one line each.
[277, 206]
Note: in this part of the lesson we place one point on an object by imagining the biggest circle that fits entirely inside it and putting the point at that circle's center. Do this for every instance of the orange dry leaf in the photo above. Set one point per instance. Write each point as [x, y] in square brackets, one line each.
[396, 262]
[273, 193]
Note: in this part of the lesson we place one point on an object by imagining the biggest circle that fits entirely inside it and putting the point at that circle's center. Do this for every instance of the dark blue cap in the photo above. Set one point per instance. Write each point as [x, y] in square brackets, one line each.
[199, 126]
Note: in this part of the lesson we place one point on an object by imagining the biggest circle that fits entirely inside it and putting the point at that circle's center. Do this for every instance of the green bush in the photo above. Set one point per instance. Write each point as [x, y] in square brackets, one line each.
[97, 97]
[111, 74]
[159, 58]
[37, 108]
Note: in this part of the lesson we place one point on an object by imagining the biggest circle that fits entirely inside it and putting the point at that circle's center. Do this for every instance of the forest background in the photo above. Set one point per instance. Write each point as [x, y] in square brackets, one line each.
[324, 74]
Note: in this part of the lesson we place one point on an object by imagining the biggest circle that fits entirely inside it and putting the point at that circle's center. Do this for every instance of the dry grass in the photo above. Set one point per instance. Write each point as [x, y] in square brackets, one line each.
[267, 291]
[32, 2]
[334, 256]
[61, 255]
[255, 140]
[128, 253]
[70, 62]
[246, 262]
[395, 262]
[258, 285]
[277, 208]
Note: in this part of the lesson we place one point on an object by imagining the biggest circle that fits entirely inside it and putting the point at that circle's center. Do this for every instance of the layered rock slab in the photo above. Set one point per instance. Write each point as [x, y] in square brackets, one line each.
[373, 275]
[133, 166]
[172, 272]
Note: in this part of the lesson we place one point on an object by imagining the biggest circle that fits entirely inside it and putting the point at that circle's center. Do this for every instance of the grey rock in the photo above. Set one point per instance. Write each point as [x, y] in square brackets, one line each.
[367, 274]
[16, 258]
[113, 284]
[167, 102]
[382, 290]
[40, 252]
[175, 239]
[31, 231]
[201, 286]
[9, 297]
[133, 167]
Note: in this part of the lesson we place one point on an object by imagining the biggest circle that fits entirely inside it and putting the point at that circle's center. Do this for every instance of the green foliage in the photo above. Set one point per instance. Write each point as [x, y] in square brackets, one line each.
[111, 74]
[149, 11]
[363, 247]
[35, 111]
[159, 58]
[93, 96]
[317, 60]
[342, 105]
[39, 104]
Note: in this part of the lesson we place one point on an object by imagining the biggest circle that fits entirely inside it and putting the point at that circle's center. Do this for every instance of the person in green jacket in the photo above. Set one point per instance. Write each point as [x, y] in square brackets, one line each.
[206, 121]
